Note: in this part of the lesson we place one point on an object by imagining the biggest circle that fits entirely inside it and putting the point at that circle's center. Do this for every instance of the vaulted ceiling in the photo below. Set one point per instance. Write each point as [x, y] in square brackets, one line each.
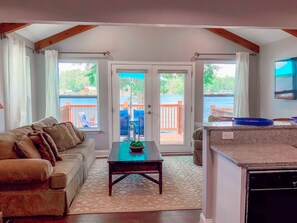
[44, 35]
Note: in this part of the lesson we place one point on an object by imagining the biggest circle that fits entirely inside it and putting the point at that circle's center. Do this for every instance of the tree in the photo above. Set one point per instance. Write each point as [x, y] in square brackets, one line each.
[217, 84]
[91, 73]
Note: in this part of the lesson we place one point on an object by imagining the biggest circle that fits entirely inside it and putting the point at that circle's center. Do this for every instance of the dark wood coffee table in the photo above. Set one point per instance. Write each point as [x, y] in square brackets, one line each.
[122, 161]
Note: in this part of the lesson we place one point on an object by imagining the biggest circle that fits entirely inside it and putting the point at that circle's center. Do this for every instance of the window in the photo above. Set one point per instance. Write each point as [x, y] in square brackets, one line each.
[218, 89]
[78, 94]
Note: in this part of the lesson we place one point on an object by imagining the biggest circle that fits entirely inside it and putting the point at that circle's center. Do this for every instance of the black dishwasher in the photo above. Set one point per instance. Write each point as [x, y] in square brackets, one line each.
[272, 196]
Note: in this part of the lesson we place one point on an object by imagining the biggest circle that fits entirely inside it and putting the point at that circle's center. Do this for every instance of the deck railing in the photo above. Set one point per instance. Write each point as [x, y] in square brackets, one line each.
[72, 113]
[171, 115]
[227, 112]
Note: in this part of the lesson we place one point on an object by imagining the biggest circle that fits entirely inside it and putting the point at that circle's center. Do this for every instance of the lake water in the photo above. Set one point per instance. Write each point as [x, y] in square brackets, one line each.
[220, 102]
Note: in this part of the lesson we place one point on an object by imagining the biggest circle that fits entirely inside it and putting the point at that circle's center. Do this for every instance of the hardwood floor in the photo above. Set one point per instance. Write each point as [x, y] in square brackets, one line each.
[184, 216]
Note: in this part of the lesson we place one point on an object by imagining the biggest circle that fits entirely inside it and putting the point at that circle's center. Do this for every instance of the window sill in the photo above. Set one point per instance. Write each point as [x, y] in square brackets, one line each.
[91, 131]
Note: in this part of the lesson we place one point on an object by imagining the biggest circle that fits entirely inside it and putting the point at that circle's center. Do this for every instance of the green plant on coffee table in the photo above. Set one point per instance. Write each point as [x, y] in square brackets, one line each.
[136, 144]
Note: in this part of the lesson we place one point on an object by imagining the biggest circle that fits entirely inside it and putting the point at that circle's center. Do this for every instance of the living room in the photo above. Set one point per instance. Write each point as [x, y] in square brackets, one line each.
[135, 38]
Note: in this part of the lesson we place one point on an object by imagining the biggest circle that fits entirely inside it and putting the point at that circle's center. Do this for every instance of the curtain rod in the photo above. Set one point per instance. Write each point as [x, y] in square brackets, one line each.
[105, 53]
[196, 54]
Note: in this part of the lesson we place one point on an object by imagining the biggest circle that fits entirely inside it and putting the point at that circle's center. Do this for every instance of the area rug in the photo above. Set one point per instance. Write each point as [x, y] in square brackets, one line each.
[181, 189]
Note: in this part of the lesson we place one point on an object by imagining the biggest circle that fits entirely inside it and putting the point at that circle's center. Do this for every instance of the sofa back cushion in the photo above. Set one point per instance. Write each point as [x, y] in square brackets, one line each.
[7, 140]
[24, 130]
[25, 148]
[46, 122]
[61, 136]
[38, 126]
[50, 121]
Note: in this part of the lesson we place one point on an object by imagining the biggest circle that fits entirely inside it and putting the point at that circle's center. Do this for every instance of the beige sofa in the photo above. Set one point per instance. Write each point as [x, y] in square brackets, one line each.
[197, 138]
[33, 187]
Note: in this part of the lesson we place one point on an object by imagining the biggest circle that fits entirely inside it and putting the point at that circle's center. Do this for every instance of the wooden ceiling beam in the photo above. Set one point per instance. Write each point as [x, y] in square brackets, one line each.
[6, 28]
[235, 38]
[61, 36]
[293, 32]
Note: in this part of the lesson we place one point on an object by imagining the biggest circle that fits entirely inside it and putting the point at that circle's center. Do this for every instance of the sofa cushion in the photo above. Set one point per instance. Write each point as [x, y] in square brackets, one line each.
[43, 147]
[25, 148]
[49, 122]
[7, 140]
[38, 126]
[73, 134]
[65, 170]
[61, 136]
[23, 171]
[20, 132]
[83, 148]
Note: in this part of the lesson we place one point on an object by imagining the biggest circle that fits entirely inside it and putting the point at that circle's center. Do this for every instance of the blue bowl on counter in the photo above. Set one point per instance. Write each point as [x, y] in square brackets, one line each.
[293, 120]
[253, 121]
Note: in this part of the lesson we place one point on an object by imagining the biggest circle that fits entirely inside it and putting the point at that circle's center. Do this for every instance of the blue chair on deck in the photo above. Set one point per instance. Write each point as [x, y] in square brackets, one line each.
[84, 120]
[137, 113]
[139, 126]
[123, 112]
[124, 122]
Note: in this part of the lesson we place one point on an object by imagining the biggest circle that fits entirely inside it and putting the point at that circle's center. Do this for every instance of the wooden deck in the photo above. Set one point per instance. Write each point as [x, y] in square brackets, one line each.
[171, 138]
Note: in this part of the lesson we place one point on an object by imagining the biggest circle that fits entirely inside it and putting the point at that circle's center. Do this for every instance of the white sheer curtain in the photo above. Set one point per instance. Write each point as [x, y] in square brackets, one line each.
[52, 84]
[17, 84]
[241, 88]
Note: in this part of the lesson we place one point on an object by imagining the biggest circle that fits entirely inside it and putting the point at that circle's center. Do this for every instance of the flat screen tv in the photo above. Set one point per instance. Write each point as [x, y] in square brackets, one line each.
[285, 73]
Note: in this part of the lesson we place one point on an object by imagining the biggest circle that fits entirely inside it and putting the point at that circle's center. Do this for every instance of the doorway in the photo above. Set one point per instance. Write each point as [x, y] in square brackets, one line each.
[152, 102]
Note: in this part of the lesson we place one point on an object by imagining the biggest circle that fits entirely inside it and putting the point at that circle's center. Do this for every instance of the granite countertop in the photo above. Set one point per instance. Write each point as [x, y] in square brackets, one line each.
[259, 155]
[231, 126]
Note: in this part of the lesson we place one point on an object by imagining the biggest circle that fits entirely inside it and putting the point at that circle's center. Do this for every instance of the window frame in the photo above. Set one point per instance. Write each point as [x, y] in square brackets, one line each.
[84, 60]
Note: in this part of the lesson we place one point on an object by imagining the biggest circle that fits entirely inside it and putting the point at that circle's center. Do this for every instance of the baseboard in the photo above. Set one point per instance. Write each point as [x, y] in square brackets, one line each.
[204, 220]
[101, 153]
[176, 154]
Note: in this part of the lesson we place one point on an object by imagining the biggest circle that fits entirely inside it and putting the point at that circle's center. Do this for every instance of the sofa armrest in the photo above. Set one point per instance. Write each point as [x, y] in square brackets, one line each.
[24, 171]
[197, 134]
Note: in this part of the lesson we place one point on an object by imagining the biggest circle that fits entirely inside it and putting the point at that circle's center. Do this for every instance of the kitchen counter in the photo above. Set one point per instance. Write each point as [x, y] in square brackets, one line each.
[229, 152]
[230, 125]
[259, 156]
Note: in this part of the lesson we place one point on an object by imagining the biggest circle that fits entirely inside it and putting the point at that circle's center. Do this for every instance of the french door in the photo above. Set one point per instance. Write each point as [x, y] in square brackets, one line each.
[152, 102]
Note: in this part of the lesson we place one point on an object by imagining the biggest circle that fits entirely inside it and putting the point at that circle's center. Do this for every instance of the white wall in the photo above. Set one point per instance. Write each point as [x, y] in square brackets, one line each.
[145, 44]
[270, 107]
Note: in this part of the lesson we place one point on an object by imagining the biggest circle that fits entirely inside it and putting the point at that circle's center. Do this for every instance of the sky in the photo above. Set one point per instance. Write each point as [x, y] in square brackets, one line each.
[226, 69]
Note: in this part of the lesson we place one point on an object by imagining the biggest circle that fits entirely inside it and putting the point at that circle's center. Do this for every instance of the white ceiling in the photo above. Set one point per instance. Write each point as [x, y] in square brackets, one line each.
[260, 36]
[36, 32]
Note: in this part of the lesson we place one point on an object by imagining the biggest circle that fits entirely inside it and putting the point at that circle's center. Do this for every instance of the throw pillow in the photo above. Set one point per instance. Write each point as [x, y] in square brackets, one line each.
[25, 148]
[43, 147]
[79, 133]
[37, 126]
[72, 133]
[52, 145]
[61, 136]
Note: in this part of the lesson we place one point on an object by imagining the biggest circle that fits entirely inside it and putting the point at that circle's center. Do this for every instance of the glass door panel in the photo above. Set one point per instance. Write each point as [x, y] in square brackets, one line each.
[131, 103]
[171, 125]
[172, 93]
